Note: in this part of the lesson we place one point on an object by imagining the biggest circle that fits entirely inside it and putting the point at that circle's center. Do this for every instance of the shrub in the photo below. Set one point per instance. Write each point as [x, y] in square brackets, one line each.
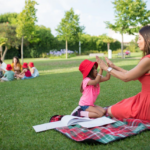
[44, 55]
[54, 54]
[33, 53]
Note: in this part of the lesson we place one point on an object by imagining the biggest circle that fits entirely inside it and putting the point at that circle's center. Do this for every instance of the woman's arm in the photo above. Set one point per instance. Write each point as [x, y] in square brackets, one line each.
[97, 79]
[119, 69]
[138, 71]
[110, 64]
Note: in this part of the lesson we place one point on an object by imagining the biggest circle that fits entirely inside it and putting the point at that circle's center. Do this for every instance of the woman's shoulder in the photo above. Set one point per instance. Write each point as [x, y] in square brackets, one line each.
[146, 56]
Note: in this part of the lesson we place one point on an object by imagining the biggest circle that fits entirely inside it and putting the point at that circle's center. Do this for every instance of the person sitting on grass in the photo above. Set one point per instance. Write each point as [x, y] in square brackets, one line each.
[16, 65]
[138, 106]
[9, 75]
[33, 70]
[25, 74]
[90, 89]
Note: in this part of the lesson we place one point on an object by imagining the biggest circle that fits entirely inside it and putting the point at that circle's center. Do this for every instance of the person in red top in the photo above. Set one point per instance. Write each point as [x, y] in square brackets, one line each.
[138, 106]
[25, 74]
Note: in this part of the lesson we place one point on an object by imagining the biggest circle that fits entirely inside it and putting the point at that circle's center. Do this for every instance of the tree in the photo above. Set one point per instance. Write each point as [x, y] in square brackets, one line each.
[106, 39]
[69, 28]
[3, 41]
[8, 38]
[129, 16]
[11, 18]
[46, 41]
[26, 23]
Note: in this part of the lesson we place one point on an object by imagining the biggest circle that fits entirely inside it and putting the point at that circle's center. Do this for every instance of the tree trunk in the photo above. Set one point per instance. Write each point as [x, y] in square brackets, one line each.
[79, 48]
[5, 51]
[1, 51]
[66, 49]
[22, 50]
[122, 46]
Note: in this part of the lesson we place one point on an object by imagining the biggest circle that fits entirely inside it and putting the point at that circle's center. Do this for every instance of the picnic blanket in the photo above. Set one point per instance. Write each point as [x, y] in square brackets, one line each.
[104, 134]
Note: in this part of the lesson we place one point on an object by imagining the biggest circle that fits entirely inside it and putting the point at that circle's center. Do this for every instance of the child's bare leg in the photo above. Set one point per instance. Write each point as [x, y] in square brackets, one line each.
[94, 112]
[100, 109]
[93, 115]
[20, 76]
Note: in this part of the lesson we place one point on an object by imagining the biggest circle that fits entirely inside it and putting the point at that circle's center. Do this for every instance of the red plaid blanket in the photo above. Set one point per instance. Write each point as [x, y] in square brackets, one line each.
[104, 134]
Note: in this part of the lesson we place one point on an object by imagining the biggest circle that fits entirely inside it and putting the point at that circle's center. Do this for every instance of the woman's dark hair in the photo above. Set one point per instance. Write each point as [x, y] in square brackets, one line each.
[145, 32]
[89, 75]
[17, 59]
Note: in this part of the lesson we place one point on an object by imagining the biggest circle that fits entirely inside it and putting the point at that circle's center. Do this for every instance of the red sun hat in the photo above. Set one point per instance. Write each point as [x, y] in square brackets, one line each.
[31, 64]
[86, 66]
[8, 67]
[25, 65]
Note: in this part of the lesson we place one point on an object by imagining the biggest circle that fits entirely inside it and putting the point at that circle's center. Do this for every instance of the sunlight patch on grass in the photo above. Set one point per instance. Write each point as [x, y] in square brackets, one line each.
[55, 71]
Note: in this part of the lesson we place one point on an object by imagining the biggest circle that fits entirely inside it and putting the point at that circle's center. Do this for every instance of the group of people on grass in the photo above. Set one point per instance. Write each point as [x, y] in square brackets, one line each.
[138, 106]
[16, 70]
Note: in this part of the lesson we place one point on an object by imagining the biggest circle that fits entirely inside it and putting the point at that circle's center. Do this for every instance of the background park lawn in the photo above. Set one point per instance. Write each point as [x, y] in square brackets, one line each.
[24, 103]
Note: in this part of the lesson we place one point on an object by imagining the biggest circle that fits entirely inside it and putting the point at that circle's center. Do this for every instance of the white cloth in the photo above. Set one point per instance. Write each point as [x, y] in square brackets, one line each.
[4, 79]
[36, 73]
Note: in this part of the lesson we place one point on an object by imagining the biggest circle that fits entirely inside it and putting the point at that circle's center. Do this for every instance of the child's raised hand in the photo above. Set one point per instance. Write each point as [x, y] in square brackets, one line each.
[101, 63]
[109, 63]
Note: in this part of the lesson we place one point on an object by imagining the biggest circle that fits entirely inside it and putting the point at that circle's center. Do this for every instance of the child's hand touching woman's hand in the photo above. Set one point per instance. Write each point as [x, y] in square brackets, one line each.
[101, 63]
[109, 63]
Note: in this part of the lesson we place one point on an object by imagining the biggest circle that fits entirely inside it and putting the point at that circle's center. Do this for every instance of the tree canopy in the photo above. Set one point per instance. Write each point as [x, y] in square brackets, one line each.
[8, 18]
[69, 28]
[130, 15]
[26, 23]
[8, 37]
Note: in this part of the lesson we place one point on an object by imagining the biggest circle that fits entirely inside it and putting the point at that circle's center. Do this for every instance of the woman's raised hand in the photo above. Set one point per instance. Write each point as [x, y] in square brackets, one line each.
[101, 63]
[110, 64]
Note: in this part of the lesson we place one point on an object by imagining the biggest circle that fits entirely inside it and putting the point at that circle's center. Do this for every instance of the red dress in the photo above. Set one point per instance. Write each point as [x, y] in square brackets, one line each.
[138, 106]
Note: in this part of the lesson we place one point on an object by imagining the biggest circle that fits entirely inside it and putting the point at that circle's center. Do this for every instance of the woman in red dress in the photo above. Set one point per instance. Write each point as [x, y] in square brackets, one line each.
[138, 106]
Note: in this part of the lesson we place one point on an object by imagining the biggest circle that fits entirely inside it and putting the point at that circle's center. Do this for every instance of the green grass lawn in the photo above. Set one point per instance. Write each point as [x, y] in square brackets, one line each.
[24, 103]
